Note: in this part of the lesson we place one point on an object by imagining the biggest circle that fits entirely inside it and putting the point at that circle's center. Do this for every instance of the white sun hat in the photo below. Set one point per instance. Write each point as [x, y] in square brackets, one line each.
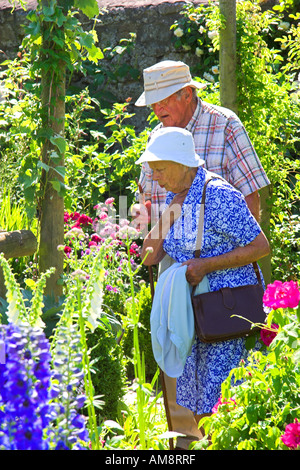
[163, 79]
[171, 144]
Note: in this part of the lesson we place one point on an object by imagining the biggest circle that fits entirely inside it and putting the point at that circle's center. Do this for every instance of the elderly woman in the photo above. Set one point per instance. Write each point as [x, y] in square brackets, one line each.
[232, 240]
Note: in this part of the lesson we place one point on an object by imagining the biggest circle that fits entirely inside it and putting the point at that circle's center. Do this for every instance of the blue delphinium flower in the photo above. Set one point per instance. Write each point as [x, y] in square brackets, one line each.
[30, 416]
[68, 379]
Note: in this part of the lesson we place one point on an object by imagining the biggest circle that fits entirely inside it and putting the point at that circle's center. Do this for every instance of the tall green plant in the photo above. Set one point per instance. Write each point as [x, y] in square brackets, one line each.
[142, 427]
[12, 216]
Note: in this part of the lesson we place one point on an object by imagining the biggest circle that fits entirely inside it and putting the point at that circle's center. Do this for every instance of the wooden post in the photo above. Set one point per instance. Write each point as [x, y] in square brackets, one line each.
[18, 243]
[52, 202]
[227, 56]
[15, 245]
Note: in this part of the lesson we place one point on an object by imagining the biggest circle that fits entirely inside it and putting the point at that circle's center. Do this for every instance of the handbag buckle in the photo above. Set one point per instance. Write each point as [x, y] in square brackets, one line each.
[228, 298]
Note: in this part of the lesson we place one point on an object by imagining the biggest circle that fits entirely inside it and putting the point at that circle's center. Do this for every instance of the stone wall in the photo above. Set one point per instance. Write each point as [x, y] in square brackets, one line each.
[150, 22]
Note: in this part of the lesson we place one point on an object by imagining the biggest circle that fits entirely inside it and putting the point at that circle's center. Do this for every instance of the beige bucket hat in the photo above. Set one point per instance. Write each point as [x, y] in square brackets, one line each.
[172, 144]
[163, 79]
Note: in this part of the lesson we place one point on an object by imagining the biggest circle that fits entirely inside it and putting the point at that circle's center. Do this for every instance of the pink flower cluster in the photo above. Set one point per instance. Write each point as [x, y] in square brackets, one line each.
[291, 436]
[93, 232]
[282, 295]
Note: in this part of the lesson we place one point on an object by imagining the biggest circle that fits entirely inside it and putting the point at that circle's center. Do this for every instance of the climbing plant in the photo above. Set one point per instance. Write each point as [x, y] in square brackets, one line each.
[57, 46]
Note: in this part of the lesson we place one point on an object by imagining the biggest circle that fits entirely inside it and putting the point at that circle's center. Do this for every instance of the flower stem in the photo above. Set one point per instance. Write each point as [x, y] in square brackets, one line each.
[89, 391]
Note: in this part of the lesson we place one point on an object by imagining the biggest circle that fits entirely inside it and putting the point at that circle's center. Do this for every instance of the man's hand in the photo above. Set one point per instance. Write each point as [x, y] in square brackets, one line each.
[141, 214]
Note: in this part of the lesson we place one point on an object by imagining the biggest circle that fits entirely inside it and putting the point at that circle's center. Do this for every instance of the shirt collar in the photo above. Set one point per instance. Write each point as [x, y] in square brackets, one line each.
[191, 125]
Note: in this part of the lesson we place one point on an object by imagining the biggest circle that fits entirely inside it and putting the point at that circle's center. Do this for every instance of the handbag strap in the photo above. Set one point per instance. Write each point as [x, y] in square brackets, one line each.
[211, 176]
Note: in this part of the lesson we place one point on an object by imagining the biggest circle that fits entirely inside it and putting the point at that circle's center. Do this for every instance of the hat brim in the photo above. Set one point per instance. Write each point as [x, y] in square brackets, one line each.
[151, 157]
[159, 94]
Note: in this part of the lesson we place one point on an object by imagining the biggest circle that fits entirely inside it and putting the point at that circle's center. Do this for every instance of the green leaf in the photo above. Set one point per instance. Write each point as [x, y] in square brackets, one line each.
[60, 170]
[60, 143]
[94, 54]
[88, 7]
[43, 165]
[55, 185]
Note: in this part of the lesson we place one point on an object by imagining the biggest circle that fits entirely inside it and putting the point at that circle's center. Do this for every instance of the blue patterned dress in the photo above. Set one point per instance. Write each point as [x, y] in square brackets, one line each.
[228, 224]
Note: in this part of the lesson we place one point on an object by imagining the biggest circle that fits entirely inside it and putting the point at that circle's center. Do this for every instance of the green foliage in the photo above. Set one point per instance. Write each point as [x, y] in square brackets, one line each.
[109, 379]
[54, 40]
[144, 300]
[125, 435]
[104, 165]
[261, 397]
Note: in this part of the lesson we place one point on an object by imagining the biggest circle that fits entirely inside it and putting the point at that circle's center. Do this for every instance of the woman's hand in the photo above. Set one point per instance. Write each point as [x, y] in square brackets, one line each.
[196, 270]
[157, 235]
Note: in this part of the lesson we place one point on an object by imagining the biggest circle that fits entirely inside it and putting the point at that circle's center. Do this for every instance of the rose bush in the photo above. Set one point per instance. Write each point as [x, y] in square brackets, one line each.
[259, 407]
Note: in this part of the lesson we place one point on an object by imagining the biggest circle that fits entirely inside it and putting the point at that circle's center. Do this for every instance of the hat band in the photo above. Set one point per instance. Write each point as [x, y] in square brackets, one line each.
[166, 83]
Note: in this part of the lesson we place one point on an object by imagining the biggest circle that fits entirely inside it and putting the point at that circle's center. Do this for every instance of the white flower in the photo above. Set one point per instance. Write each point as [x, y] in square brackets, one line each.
[212, 34]
[127, 231]
[199, 52]
[215, 69]
[93, 304]
[284, 25]
[75, 232]
[201, 30]
[178, 32]
[208, 77]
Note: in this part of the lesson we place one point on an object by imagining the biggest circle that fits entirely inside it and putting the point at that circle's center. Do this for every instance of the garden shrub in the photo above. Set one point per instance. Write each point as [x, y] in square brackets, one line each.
[109, 378]
[259, 405]
[144, 302]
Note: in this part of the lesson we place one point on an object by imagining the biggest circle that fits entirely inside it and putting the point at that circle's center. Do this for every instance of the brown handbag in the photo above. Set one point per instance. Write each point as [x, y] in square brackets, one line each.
[231, 311]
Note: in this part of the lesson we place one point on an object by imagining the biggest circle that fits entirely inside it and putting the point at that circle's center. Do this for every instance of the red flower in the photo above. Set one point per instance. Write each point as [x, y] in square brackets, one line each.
[67, 250]
[96, 238]
[75, 215]
[66, 217]
[282, 295]
[84, 220]
[291, 436]
[267, 335]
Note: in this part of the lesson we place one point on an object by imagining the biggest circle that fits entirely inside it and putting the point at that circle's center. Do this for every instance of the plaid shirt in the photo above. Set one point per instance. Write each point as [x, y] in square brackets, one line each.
[222, 141]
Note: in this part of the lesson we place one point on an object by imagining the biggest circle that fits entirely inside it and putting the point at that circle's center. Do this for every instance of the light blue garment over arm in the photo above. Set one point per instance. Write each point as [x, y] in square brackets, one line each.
[172, 319]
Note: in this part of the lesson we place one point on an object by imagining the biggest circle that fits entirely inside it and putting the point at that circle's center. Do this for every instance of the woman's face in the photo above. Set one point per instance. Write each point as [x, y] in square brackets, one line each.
[169, 175]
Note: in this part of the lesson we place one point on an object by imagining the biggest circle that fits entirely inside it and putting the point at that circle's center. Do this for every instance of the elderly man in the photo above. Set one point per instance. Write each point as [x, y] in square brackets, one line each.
[220, 138]
[222, 142]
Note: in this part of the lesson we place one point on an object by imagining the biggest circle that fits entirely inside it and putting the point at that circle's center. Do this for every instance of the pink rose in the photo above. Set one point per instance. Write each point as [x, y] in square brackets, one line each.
[282, 295]
[103, 216]
[267, 336]
[110, 201]
[220, 402]
[291, 436]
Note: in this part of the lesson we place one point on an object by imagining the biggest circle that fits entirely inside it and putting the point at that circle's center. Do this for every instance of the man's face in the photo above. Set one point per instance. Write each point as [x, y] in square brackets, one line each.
[174, 111]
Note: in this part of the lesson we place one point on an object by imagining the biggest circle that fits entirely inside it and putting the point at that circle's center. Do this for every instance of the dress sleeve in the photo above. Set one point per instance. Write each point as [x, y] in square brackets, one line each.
[230, 216]
[246, 171]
